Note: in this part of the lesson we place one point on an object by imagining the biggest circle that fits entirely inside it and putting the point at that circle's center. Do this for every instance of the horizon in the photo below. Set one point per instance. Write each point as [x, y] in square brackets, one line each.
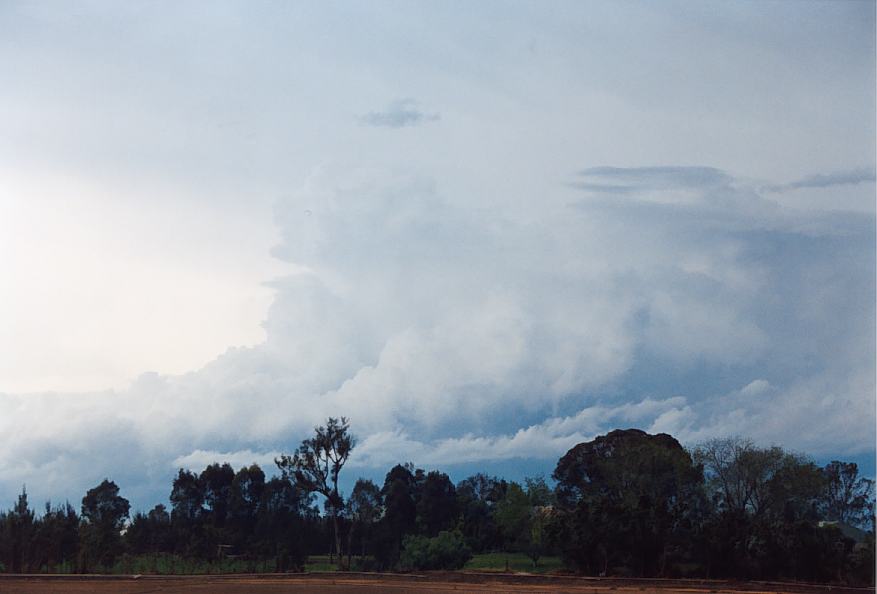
[511, 470]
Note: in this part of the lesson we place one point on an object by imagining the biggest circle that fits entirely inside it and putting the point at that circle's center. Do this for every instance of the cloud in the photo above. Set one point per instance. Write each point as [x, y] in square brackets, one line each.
[545, 440]
[201, 459]
[649, 178]
[399, 114]
[802, 416]
[451, 333]
[758, 409]
[827, 180]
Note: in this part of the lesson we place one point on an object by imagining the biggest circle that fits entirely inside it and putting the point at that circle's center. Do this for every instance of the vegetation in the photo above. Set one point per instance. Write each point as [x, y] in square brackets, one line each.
[447, 550]
[317, 464]
[517, 562]
[625, 503]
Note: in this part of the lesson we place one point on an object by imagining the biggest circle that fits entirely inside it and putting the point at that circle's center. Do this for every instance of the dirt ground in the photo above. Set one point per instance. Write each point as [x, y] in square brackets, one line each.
[438, 583]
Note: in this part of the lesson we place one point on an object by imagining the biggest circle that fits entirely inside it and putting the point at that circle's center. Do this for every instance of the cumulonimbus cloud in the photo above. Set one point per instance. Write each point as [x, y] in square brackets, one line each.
[448, 333]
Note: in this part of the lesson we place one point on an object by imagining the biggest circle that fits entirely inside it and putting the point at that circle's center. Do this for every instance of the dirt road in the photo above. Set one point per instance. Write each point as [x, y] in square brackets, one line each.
[440, 583]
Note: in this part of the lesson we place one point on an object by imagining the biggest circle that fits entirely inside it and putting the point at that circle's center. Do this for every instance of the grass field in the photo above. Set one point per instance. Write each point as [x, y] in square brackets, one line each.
[516, 562]
[165, 564]
[321, 563]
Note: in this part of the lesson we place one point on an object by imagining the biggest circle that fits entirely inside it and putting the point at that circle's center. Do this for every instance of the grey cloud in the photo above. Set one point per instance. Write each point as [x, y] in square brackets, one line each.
[604, 188]
[399, 114]
[827, 180]
[630, 179]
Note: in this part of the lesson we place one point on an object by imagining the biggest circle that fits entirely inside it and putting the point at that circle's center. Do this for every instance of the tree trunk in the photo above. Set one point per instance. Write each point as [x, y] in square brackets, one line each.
[337, 538]
[349, 546]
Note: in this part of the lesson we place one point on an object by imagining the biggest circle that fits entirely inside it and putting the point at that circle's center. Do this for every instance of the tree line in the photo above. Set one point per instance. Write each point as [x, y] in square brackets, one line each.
[626, 503]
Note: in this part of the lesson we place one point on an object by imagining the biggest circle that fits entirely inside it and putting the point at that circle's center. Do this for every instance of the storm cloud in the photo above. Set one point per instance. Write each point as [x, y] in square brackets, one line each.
[415, 317]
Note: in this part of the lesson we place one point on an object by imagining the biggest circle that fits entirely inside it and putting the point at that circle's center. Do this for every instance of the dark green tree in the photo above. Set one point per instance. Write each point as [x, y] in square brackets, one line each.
[477, 496]
[187, 514]
[104, 512]
[279, 530]
[216, 480]
[437, 505]
[522, 516]
[400, 493]
[512, 517]
[17, 533]
[56, 539]
[621, 498]
[245, 498]
[364, 508]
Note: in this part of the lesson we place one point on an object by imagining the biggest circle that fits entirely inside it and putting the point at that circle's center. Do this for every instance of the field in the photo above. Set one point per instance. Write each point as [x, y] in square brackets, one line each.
[514, 562]
[173, 565]
[491, 572]
[342, 583]
[490, 562]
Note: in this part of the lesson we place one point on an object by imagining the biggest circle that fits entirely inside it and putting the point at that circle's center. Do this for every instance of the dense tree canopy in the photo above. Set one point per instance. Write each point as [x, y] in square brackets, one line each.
[104, 512]
[624, 503]
[624, 494]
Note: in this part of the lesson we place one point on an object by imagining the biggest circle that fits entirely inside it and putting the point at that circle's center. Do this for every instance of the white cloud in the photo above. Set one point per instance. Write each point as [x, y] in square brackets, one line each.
[436, 328]
[201, 459]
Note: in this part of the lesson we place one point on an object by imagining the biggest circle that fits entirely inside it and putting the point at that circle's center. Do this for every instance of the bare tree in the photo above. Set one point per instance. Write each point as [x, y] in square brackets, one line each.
[848, 497]
[755, 480]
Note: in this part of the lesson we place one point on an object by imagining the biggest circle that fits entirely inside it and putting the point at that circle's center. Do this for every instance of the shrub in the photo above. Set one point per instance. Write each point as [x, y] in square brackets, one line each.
[448, 550]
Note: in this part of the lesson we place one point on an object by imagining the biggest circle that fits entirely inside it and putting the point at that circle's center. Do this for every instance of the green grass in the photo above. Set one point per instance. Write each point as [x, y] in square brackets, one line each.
[484, 562]
[516, 562]
[320, 563]
[165, 564]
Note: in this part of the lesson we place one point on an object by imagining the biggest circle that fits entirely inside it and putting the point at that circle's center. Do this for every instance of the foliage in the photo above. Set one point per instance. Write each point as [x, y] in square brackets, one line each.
[516, 562]
[448, 550]
[18, 531]
[625, 503]
[477, 496]
[400, 493]
[104, 512]
[765, 513]
[364, 508]
[621, 499]
[437, 506]
[316, 464]
[847, 497]
[512, 516]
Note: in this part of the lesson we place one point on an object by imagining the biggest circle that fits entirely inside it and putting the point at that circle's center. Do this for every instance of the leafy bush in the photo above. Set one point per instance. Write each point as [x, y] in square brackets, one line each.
[448, 550]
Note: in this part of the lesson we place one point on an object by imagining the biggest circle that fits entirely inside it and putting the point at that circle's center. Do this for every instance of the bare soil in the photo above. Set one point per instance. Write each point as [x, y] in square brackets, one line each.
[428, 583]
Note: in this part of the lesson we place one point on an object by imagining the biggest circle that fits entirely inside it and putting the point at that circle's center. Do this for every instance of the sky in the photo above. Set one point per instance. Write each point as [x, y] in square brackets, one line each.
[483, 232]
